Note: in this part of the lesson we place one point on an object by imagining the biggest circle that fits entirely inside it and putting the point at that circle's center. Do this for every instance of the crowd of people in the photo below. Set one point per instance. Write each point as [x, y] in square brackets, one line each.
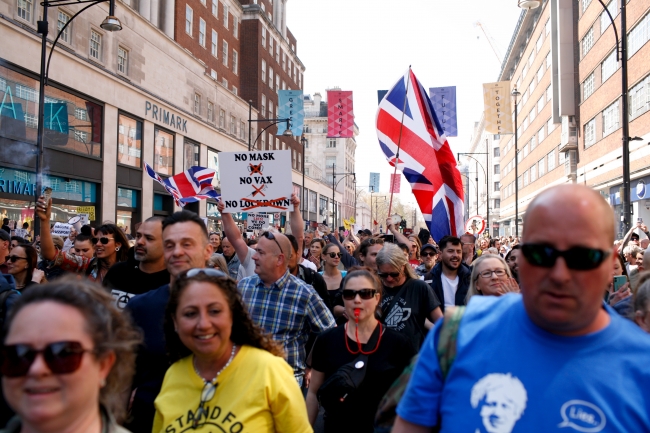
[182, 329]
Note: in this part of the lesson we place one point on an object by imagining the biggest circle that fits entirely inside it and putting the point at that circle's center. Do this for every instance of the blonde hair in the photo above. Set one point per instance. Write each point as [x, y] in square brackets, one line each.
[473, 291]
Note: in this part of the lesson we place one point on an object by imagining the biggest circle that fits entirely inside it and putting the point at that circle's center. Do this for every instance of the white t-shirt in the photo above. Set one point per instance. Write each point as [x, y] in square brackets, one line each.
[449, 288]
[309, 264]
[247, 266]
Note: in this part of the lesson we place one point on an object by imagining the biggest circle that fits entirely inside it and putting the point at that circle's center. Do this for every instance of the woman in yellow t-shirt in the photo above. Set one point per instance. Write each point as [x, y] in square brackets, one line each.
[227, 374]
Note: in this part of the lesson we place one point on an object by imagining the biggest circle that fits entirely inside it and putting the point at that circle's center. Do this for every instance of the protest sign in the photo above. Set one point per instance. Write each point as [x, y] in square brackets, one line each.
[61, 229]
[257, 221]
[256, 181]
[21, 232]
[90, 210]
[85, 218]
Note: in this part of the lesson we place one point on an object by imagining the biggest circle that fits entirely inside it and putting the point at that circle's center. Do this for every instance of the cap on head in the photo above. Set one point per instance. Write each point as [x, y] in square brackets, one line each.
[429, 247]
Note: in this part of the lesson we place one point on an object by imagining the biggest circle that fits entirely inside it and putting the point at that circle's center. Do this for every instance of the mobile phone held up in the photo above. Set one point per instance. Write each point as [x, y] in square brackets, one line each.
[619, 280]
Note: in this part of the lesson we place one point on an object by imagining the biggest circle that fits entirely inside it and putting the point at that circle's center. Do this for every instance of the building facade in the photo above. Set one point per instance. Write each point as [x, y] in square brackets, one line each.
[331, 162]
[562, 59]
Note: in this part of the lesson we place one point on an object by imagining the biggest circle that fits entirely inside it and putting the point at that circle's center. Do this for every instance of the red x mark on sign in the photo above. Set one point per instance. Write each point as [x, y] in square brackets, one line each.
[255, 169]
[258, 190]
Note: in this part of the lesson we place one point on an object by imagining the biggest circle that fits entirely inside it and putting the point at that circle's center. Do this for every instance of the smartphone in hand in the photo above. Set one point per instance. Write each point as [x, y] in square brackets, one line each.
[619, 281]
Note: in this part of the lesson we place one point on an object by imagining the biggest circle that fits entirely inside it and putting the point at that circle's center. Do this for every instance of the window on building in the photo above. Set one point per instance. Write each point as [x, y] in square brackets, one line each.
[550, 126]
[264, 37]
[611, 119]
[225, 15]
[540, 42]
[590, 132]
[551, 160]
[263, 107]
[609, 66]
[222, 119]
[540, 135]
[189, 16]
[531, 88]
[525, 176]
[242, 130]
[526, 149]
[213, 46]
[587, 42]
[540, 104]
[202, 32]
[497, 169]
[520, 182]
[497, 152]
[588, 87]
[277, 52]
[233, 125]
[203, 2]
[213, 74]
[25, 9]
[197, 104]
[224, 53]
[533, 173]
[284, 61]
[234, 90]
[163, 157]
[585, 4]
[61, 21]
[547, 27]
[271, 77]
[129, 139]
[215, 8]
[277, 83]
[235, 62]
[638, 36]
[122, 61]
[605, 22]
[191, 155]
[532, 115]
[541, 167]
[549, 93]
[95, 45]
[263, 71]
[640, 98]
[331, 142]
[497, 186]
[524, 124]
[531, 59]
[540, 73]
[561, 156]
[293, 158]
[271, 43]
[235, 27]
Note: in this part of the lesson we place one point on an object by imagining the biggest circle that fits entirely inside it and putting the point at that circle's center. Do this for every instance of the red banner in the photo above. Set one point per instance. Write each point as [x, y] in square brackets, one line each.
[340, 116]
[395, 182]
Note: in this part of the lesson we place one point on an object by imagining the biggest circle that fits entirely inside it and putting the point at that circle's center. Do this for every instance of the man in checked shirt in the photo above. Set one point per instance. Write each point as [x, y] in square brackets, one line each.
[283, 305]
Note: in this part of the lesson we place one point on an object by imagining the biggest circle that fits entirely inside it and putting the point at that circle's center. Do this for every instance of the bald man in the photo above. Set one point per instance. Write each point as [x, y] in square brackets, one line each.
[282, 304]
[544, 359]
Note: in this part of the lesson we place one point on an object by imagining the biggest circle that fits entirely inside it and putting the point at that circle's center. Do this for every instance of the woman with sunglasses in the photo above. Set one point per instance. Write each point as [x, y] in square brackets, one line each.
[67, 356]
[227, 375]
[315, 251]
[414, 253]
[110, 244]
[21, 264]
[491, 276]
[342, 345]
[333, 276]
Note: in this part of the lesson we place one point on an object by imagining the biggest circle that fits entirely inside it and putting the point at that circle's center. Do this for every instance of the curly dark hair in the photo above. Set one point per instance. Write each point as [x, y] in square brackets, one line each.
[110, 330]
[244, 331]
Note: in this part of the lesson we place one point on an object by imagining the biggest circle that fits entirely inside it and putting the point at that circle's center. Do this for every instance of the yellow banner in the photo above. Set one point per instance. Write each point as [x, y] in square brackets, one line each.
[498, 110]
[90, 210]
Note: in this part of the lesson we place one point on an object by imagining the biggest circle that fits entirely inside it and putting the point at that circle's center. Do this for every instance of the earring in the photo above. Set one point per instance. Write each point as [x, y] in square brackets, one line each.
[102, 383]
[117, 249]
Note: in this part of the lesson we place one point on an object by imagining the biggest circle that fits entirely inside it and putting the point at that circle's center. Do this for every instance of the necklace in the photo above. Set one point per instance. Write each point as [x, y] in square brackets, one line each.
[356, 334]
[214, 380]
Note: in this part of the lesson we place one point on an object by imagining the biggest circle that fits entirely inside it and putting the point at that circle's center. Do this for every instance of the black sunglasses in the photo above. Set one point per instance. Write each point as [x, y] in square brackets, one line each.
[428, 254]
[349, 294]
[332, 255]
[577, 258]
[103, 240]
[62, 357]
[14, 259]
[207, 271]
[269, 235]
[384, 275]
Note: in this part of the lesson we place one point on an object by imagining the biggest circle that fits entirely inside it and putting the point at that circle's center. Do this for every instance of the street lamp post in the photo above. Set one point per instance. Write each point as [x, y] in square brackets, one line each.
[487, 183]
[621, 56]
[287, 132]
[515, 94]
[334, 185]
[110, 23]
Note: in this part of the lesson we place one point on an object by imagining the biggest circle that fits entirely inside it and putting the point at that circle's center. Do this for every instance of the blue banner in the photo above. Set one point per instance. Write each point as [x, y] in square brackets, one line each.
[444, 104]
[291, 107]
[374, 182]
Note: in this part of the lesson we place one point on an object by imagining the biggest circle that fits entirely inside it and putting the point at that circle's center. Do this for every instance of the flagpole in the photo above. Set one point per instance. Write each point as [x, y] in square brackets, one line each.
[399, 142]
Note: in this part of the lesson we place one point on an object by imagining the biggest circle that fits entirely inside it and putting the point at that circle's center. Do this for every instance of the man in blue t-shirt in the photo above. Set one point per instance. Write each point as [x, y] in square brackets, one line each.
[554, 358]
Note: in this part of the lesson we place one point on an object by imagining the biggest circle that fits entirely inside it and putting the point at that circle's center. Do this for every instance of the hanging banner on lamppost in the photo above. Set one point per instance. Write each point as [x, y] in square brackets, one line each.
[395, 182]
[444, 104]
[292, 108]
[340, 114]
[374, 182]
[498, 110]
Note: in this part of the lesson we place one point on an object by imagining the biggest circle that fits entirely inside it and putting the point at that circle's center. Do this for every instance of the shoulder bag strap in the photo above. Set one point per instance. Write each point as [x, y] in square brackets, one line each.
[447, 341]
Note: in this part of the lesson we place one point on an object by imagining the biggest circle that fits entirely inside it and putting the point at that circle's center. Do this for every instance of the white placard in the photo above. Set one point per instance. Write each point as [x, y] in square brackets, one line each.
[85, 218]
[21, 232]
[256, 181]
[257, 221]
[61, 229]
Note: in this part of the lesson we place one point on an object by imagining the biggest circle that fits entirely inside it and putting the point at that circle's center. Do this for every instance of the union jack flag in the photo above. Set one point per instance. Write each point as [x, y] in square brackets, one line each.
[192, 185]
[425, 157]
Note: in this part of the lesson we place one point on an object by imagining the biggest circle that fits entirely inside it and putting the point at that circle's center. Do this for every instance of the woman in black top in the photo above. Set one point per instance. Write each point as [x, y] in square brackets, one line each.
[341, 345]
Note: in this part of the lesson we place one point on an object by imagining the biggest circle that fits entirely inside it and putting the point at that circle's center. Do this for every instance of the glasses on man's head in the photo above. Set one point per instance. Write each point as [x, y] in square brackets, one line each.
[349, 294]
[104, 240]
[14, 259]
[393, 275]
[207, 394]
[576, 258]
[62, 357]
[488, 273]
[332, 255]
[271, 236]
[210, 272]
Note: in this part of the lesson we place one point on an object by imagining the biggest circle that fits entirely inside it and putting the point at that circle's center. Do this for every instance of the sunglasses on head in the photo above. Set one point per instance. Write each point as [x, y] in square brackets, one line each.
[269, 235]
[393, 275]
[63, 357]
[103, 240]
[349, 294]
[577, 258]
[14, 259]
[332, 255]
[207, 271]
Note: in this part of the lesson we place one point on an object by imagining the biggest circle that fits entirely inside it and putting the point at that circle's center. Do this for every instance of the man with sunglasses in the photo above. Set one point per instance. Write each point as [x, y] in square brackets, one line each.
[428, 255]
[282, 304]
[553, 358]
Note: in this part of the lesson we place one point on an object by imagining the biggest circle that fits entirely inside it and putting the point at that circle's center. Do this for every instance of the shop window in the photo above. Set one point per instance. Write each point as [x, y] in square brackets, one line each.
[213, 162]
[190, 154]
[129, 148]
[128, 209]
[163, 157]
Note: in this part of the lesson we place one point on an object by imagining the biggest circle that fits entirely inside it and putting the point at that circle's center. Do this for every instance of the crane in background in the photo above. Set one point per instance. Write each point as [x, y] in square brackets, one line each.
[491, 41]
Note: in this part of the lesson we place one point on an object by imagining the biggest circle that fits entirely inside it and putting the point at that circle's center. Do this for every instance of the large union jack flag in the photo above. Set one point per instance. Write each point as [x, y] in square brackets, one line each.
[192, 185]
[425, 157]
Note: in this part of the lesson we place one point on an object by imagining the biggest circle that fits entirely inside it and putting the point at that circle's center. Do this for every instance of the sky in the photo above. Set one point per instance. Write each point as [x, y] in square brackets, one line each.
[365, 46]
